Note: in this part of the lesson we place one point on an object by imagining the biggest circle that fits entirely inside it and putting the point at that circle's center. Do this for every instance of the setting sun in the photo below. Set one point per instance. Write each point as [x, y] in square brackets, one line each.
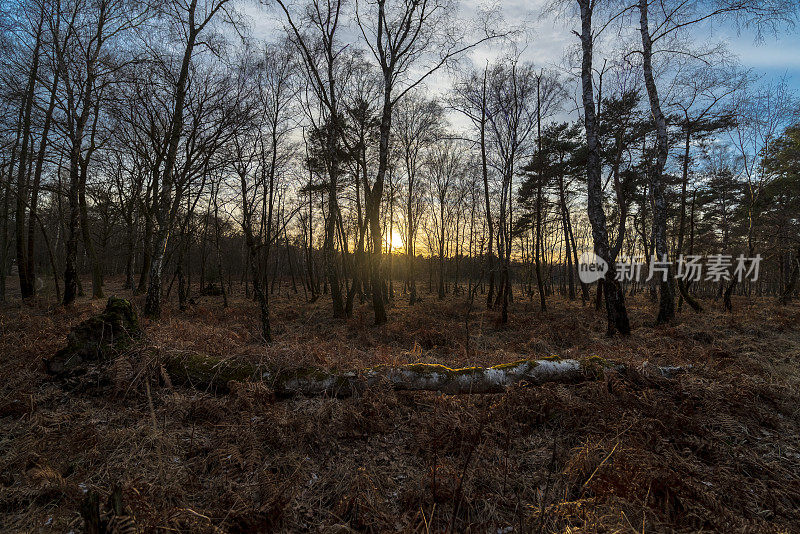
[396, 242]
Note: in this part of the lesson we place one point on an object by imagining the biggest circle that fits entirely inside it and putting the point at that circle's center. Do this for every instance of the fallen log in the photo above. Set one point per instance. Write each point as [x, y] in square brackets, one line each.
[93, 342]
[208, 373]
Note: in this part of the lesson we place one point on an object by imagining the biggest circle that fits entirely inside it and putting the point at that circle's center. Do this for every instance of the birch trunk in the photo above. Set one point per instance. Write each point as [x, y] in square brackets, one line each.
[163, 195]
[666, 307]
[615, 301]
[202, 372]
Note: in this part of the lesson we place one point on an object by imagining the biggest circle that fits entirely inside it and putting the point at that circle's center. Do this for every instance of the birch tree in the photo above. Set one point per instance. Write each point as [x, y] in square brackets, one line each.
[189, 18]
[616, 312]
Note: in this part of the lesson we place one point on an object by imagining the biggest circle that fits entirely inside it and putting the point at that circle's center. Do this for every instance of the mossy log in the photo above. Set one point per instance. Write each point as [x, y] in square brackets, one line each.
[203, 372]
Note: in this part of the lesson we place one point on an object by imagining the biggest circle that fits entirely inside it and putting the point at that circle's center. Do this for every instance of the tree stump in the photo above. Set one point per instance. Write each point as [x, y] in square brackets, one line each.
[98, 338]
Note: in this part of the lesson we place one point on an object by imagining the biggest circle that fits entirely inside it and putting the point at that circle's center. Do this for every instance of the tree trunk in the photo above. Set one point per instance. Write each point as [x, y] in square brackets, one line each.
[147, 247]
[217, 246]
[666, 307]
[130, 256]
[182, 294]
[26, 282]
[202, 372]
[4, 229]
[684, 290]
[786, 296]
[153, 302]
[488, 208]
[358, 268]
[163, 201]
[331, 271]
[538, 250]
[71, 282]
[441, 249]
[88, 242]
[37, 177]
[617, 315]
[374, 204]
[567, 248]
[52, 258]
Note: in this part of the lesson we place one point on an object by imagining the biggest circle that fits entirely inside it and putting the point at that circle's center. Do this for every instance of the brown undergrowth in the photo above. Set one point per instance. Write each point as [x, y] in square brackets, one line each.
[717, 449]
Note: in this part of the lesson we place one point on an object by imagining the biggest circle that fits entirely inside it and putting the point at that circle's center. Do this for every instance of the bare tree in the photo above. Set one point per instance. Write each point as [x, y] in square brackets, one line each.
[761, 112]
[82, 40]
[257, 156]
[404, 37]
[417, 125]
[190, 18]
[470, 97]
[316, 37]
[444, 166]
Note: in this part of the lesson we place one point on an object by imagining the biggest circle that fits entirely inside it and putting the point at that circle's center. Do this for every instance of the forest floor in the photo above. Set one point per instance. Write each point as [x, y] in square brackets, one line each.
[715, 449]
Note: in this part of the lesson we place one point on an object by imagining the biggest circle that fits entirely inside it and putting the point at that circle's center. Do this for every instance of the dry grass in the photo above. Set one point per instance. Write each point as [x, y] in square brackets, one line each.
[718, 449]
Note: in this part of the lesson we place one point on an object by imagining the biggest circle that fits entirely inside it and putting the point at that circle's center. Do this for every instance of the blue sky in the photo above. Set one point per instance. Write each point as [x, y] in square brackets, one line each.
[547, 39]
[774, 57]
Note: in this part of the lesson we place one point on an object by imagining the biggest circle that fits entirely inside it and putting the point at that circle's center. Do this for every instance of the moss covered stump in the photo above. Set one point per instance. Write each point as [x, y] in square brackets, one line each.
[98, 338]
